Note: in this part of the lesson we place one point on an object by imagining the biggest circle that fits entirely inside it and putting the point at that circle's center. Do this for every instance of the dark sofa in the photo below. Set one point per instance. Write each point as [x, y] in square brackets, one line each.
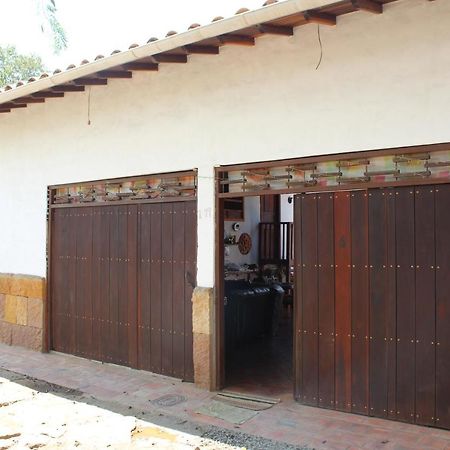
[249, 311]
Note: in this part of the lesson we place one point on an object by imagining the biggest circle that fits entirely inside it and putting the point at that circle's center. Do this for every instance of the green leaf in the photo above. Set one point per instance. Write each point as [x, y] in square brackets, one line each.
[15, 67]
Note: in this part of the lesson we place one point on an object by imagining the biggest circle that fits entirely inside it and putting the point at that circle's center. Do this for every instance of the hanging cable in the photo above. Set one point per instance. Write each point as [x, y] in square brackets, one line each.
[321, 48]
[89, 106]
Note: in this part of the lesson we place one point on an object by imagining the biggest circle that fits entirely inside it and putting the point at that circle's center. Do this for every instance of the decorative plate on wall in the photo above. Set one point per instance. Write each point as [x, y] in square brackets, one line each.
[245, 243]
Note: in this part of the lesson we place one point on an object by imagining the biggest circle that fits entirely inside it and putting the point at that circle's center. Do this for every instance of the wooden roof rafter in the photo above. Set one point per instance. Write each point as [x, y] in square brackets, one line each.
[193, 49]
[28, 100]
[141, 66]
[67, 88]
[47, 94]
[368, 5]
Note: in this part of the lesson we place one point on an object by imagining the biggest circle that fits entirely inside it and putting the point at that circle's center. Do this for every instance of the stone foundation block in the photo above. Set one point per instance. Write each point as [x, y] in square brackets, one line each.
[10, 308]
[2, 307]
[35, 313]
[21, 314]
[21, 310]
[4, 283]
[202, 360]
[202, 303]
[22, 285]
[6, 333]
[28, 337]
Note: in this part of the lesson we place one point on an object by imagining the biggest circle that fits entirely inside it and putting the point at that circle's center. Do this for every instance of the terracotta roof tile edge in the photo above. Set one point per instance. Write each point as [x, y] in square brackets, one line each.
[231, 24]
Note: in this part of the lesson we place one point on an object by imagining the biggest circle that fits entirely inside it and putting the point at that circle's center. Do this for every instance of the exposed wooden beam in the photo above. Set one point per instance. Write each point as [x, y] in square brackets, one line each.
[3, 110]
[90, 81]
[153, 67]
[236, 39]
[202, 49]
[67, 88]
[115, 74]
[320, 18]
[11, 105]
[48, 94]
[170, 58]
[275, 29]
[368, 5]
[28, 100]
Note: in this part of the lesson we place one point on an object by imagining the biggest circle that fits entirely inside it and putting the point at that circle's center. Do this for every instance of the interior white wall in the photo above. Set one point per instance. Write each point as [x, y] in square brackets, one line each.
[383, 82]
[286, 208]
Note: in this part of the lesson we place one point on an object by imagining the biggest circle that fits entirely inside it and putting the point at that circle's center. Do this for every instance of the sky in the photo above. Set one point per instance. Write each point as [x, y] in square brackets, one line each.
[100, 26]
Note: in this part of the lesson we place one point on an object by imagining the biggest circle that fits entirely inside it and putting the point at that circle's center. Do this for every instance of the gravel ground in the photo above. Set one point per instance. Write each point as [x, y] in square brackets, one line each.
[36, 414]
[247, 441]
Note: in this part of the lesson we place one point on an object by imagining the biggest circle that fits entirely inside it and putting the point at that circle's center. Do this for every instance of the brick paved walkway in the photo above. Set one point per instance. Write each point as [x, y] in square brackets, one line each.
[288, 421]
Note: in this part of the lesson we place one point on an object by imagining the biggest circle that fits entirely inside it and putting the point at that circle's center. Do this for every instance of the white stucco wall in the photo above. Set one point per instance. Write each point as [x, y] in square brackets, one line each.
[384, 82]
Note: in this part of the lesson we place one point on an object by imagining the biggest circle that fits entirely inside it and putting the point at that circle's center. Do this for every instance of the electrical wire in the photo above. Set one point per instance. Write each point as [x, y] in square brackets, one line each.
[89, 106]
[321, 48]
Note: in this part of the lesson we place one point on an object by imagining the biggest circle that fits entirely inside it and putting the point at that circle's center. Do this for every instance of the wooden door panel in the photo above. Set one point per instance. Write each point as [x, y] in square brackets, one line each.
[190, 239]
[360, 303]
[178, 286]
[120, 290]
[326, 306]
[166, 289]
[113, 322]
[59, 254]
[391, 306]
[442, 343]
[298, 293]
[378, 261]
[425, 305]
[405, 268]
[155, 269]
[391, 255]
[342, 249]
[70, 333]
[144, 290]
[132, 285]
[310, 301]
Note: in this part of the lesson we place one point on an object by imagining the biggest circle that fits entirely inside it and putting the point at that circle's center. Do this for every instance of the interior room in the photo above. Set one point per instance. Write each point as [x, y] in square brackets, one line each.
[258, 288]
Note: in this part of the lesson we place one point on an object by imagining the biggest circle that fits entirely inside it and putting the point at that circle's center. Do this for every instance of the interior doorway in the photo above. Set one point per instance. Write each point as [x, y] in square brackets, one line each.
[258, 291]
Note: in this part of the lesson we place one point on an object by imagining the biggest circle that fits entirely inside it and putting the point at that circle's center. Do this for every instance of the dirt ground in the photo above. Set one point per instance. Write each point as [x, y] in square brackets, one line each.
[36, 414]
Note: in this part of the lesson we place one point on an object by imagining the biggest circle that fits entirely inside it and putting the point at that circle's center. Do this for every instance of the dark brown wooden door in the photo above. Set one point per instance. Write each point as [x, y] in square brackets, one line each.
[372, 304]
[122, 280]
[269, 208]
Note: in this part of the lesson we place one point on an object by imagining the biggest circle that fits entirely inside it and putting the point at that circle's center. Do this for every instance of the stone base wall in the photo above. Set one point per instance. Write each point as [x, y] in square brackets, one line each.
[202, 308]
[22, 310]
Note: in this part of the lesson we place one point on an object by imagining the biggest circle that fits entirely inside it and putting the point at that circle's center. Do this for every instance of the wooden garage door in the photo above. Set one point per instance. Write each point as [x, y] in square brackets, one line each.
[121, 284]
[373, 302]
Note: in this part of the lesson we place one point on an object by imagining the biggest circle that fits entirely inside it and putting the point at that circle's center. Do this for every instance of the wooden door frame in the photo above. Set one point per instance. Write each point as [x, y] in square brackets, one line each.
[218, 336]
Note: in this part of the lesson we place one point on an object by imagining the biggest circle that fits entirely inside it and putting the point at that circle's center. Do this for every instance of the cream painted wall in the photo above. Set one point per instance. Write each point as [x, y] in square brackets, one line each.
[384, 82]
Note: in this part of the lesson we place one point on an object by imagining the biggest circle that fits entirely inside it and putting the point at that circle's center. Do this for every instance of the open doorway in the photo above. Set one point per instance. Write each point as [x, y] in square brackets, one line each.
[258, 294]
